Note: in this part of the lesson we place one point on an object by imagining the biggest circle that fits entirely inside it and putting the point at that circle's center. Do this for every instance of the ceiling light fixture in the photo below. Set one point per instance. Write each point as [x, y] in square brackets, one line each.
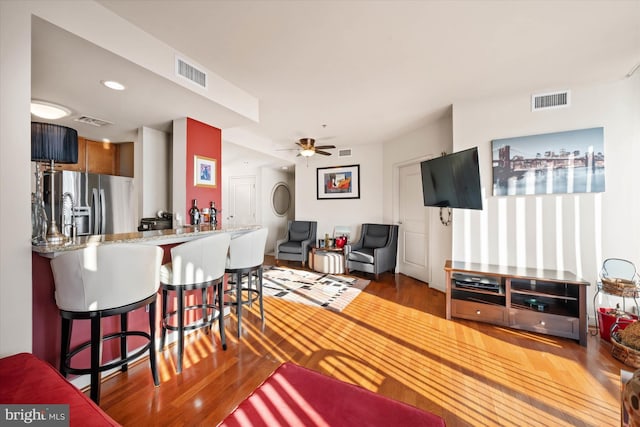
[48, 110]
[112, 84]
[306, 153]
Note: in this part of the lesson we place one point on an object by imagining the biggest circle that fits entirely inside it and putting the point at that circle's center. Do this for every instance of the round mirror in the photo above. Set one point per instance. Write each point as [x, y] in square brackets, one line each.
[281, 199]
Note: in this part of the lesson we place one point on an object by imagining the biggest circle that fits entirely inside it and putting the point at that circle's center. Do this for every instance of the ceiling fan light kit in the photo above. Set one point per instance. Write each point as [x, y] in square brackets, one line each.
[308, 147]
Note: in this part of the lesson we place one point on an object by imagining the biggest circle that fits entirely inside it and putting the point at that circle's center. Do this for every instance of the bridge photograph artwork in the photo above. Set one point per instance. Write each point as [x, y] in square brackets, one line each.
[551, 163]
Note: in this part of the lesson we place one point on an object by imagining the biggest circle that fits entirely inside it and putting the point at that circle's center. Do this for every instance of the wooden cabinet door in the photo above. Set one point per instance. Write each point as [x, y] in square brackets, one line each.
[125, 159]
[102, 158]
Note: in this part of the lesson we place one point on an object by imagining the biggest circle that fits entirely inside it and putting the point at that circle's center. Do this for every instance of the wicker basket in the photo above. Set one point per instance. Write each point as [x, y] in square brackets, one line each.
[620, 287]
[627, 355]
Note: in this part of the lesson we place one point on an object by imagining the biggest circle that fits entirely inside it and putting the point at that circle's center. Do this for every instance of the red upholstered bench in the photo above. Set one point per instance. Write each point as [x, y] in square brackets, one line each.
[297, 396]
[25, 379]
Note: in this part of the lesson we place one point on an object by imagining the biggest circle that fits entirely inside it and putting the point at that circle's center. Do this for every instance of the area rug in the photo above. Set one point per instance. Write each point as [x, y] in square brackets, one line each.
[296, 396]
[329, 291]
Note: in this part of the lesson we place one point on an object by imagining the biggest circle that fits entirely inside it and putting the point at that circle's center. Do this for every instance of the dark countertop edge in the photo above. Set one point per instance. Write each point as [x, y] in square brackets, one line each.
[156, 237]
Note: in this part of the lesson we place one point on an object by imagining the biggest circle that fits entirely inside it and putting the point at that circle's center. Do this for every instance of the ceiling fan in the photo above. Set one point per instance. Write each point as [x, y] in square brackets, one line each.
[308, 148]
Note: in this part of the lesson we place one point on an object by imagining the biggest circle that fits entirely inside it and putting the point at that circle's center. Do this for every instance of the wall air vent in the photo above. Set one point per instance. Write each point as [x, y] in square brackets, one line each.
[547, 101]
[191, 72]
[92, 121]
[344, 152]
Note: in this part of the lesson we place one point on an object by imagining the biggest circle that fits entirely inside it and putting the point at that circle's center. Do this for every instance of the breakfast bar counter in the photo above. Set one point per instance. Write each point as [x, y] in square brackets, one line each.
[152, 237]
[46, 318]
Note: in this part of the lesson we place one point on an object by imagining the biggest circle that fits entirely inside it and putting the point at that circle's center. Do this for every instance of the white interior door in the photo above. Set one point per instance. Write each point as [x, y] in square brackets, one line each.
[414, 220]
[242, 201]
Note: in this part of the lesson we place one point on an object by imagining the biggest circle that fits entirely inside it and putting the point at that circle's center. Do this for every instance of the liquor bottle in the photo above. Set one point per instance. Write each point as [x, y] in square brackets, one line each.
[194, 213]
[213, 214]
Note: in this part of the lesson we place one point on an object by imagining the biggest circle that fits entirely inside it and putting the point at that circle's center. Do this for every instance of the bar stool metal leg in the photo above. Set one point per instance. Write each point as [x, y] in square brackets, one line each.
[164, 316]
[96, 351]
[223, 336]
[259, 287]
[123, 341]
[152, 344]
[65, 344]
[180, 329]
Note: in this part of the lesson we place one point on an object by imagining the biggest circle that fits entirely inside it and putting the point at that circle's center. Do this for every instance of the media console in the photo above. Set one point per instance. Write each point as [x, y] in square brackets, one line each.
[545, 301]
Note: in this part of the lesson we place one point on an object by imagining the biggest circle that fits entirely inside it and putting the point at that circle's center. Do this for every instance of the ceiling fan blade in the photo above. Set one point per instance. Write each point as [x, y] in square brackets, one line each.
[322, 147]
[301, 144]
[324, 153]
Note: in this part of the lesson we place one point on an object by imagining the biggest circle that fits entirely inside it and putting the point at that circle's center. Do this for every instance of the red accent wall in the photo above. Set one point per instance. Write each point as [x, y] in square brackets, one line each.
[203, 140]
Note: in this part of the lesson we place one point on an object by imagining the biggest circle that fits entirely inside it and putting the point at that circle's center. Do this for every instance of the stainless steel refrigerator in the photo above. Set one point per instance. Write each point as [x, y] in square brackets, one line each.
[99, 204]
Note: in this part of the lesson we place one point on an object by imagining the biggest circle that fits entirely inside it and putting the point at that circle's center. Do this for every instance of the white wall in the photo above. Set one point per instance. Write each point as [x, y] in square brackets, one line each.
[179, 170]
[277, 224]
[347, 212]
[567, 232]
[15, 179]
[154, 171]
[426, 142]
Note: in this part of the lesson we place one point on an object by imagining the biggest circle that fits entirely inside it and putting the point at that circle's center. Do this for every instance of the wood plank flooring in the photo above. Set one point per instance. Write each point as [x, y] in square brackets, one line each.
[392, 339]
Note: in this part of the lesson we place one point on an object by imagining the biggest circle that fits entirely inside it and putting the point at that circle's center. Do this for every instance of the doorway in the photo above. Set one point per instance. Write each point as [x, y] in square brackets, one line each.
[241, 209]
[413, 219]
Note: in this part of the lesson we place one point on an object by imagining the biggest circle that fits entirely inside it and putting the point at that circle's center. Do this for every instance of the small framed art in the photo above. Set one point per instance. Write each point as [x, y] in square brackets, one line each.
[338, 182]
[204, 171]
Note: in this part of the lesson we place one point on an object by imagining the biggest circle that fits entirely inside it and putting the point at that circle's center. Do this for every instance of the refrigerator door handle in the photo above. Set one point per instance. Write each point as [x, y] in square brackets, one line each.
[103, 211]
[95, 205]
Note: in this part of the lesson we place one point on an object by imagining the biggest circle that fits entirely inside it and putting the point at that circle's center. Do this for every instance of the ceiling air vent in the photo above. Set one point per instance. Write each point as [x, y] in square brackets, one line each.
[547, 101]
[344, 152]
[191, 72]
[92, 121]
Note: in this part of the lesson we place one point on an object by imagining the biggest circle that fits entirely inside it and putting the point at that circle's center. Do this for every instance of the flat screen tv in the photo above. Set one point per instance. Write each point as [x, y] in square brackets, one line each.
[452, 181]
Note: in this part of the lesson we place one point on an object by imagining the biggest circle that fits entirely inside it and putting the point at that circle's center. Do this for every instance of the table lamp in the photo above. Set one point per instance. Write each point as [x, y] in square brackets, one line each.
[53, 143]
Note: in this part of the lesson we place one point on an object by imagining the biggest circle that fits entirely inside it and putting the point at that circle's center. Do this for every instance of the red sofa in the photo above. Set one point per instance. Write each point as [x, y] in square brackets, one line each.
[297, 396]
[25, 379]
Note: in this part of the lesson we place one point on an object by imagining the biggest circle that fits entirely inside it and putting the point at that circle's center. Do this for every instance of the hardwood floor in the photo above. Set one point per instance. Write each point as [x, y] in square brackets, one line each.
[392, 339]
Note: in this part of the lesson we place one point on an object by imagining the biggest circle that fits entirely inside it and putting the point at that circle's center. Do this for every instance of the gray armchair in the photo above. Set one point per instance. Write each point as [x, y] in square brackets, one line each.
[376, 251]
[295, 247]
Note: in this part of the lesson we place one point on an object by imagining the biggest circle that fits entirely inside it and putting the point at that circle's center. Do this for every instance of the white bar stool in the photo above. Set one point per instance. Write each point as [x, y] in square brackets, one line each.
[246, 255]
[102, 281]
[198, 264]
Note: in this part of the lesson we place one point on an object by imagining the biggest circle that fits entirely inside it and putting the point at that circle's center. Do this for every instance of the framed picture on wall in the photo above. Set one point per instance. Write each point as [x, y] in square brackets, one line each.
[204, 171]
[338, 182]
[560, 162]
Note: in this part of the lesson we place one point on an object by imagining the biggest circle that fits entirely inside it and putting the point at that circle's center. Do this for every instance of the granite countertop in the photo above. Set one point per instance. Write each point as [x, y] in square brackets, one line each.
[153, 237]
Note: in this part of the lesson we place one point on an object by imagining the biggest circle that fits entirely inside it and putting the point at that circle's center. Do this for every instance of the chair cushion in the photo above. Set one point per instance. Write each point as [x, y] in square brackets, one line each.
[291, 247]
[29, 380]
[376, 237]
[299, 231]
[166, 273]
[363, 255]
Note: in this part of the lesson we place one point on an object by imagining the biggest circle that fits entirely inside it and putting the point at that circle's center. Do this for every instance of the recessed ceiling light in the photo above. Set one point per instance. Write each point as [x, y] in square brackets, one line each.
[48, 110]
[112, 84]
[106, 140]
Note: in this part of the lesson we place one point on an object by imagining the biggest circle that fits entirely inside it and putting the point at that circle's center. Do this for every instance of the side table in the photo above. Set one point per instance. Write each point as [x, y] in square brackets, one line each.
[328, 260]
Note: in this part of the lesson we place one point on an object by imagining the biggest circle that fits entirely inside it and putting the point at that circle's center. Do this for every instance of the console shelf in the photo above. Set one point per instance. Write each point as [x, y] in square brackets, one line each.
[544, 301]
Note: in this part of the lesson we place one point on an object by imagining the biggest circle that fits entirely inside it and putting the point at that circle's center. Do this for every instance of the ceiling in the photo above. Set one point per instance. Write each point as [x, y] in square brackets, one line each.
[354, 72]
